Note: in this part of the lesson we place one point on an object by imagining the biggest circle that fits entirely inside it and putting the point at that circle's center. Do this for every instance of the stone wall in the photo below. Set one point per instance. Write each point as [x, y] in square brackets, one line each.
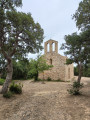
[59, 69]
[69, 72]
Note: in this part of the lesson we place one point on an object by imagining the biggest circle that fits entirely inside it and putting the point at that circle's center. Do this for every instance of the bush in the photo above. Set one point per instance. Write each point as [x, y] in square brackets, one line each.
[59, 80]
[8, 94]
[75, 90]
[2, 81]
[20, 69]
[49, 79]
[39, 79]
[16, 88]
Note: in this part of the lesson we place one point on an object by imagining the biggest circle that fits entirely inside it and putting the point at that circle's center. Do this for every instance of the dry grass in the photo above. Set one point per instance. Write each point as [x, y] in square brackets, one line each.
[49, 101]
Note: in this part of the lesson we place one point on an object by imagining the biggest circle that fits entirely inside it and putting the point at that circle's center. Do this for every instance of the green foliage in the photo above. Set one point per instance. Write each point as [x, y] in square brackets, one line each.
[86, 70]
[75, 88]
[10, 4]
[76, 72]
[39, 79]
[82, 15]
[30, 75]
[16, 88]
[38, 65]
[29, 37]
[19, 34]
[49, 79]
[33, 69]
[20, 69]
[2, 81]
[59, 80]
[69, 61]
[78, 47]
[8, 94]
[2, 66]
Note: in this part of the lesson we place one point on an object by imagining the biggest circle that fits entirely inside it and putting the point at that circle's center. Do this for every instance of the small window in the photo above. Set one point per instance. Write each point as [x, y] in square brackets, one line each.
[50, 61]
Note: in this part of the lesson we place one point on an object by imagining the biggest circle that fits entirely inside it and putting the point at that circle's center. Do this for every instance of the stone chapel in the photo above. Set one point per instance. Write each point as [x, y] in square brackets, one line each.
[59, 70]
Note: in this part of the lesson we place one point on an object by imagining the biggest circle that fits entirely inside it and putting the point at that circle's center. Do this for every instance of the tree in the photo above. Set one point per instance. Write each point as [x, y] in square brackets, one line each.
[38, 65]
[77, 47]
[86, 70]
[82, 15]
[20, 69]
[19, 35]
[76, 70]
[2, 65]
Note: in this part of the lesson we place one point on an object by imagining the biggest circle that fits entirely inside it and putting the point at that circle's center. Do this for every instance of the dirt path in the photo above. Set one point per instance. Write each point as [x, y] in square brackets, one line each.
[48, 101]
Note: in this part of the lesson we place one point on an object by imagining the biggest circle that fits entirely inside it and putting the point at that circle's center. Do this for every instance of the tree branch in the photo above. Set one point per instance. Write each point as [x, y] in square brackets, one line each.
[15, 46]
[5, 55]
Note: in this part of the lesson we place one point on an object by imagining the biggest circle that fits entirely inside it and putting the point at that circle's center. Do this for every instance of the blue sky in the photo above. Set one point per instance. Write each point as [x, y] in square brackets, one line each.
[54, 16]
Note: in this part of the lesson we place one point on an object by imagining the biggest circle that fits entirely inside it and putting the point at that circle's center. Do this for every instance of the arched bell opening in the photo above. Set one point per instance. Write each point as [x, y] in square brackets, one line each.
[48, 47]
[53, 47]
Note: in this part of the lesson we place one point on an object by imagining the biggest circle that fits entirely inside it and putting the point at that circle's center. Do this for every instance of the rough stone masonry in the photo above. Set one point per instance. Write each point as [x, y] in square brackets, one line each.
[59, 70]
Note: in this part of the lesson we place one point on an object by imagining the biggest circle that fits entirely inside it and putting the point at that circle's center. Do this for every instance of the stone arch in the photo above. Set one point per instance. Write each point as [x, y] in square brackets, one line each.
[51, 43]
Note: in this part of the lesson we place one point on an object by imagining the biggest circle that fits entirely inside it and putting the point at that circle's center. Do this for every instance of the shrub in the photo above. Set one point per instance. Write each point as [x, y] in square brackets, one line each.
[75, 89]
[49, 79]
[39, 79]
[2, 81]
[16, 88]
[8, 94]
[59, 80]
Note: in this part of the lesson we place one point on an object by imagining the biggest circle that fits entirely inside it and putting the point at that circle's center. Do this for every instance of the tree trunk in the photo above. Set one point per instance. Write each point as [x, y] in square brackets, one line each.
[9, 70]
[80, 72]
[43, 75]
[36, 77]
[43, 78]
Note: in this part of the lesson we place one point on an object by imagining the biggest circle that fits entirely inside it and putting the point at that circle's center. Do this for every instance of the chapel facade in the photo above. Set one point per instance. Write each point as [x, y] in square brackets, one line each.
[59, 70]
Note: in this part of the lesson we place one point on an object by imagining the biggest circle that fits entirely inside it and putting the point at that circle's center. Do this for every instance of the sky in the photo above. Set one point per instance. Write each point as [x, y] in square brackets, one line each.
[54, 16]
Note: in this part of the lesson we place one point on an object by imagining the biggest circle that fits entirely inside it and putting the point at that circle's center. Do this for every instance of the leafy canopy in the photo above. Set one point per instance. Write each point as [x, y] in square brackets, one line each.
[82, 15]
[10, 4]
[19, 35]
[38, 65]
[18, 32]
[77, 47]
